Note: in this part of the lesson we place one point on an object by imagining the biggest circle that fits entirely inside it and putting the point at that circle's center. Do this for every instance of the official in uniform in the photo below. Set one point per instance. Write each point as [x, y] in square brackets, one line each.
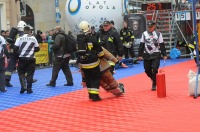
[26, 46]
[150, 49]
[15, 32]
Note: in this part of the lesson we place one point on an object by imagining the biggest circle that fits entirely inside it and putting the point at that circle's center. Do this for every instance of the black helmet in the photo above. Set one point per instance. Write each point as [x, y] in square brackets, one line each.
[151, 23]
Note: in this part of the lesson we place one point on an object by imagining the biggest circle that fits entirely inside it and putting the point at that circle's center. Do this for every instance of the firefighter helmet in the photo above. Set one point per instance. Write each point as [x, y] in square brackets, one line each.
[21, 25]
[84, 26]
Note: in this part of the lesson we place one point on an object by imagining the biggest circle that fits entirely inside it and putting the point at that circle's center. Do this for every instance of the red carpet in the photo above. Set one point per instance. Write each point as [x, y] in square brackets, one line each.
[138, 111]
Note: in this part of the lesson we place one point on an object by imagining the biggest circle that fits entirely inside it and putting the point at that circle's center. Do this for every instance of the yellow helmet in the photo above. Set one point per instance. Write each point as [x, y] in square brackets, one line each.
[84, 26]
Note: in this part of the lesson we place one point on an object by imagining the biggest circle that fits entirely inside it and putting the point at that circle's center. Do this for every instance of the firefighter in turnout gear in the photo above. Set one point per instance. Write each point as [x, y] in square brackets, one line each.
[26, 46]
[190, 47]
[127, 38]
[150, 49]
[89, 52]
[110, 40]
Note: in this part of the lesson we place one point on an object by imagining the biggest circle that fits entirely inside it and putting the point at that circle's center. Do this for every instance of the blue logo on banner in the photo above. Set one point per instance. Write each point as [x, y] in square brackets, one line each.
[74, 11]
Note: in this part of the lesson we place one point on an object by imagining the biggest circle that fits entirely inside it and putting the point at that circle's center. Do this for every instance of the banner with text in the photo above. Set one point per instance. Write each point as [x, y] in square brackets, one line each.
[42, 56]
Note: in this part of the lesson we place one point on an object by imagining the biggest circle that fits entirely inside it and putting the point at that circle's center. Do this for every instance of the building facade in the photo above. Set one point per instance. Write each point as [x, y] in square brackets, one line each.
[9, 13]
[41, 14]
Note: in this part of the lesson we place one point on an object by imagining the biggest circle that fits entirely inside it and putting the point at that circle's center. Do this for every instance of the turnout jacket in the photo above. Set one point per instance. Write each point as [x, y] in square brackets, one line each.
[89, 51]
[110, 40]
[126, 35]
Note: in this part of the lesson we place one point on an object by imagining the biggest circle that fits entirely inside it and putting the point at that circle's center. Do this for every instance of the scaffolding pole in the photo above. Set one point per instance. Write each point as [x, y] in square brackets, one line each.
[197, 46]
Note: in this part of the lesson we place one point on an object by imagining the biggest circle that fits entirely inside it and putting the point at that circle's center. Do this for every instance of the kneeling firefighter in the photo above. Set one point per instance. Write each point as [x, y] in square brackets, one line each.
[89, 52]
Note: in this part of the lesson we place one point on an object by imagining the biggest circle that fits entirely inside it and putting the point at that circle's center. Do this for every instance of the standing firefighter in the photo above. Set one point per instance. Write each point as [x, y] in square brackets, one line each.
[89, 52]
[25, 46]
[110, 40]
[151, 45]
[127, 37]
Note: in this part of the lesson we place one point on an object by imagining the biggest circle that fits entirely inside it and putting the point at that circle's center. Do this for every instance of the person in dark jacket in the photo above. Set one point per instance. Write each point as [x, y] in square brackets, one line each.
[39, 36]
[61, 59]
[3, 50]
[110, 40]
[151, 44]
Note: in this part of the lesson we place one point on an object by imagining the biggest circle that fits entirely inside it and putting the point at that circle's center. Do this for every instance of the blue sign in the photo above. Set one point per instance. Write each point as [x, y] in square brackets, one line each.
[56, 3]
[58, 15]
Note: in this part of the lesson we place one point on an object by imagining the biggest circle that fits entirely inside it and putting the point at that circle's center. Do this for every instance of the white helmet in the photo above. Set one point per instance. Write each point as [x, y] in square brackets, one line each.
[31, 28]
[21, 25]
[84, 26]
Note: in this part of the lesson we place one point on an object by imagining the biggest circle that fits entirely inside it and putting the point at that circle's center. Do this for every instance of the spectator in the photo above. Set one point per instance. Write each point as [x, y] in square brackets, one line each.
[39, 36]
[61, 59]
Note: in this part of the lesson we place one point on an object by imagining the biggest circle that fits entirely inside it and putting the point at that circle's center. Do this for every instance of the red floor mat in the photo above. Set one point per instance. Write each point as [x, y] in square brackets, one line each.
[139, 110]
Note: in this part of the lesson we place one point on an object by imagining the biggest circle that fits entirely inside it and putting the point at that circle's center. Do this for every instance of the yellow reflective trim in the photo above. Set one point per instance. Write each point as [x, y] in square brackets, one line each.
[99, 40]
[121, 38]
[109, 39]
[195, 42]
[93, 92]
[90, 46]
[111, 63]
[101, 54]
[132, 37]
[8, 73]
[89, 66]
[191, 46]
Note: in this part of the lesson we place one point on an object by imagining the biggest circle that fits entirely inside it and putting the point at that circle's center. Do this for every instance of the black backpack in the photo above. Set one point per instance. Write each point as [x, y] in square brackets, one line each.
[70, 44]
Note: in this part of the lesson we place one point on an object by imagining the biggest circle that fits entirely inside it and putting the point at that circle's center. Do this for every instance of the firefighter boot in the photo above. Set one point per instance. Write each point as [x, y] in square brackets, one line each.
[29, 91]
[94, 97]
[23, 83]
[121, 86]
[8, 84]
